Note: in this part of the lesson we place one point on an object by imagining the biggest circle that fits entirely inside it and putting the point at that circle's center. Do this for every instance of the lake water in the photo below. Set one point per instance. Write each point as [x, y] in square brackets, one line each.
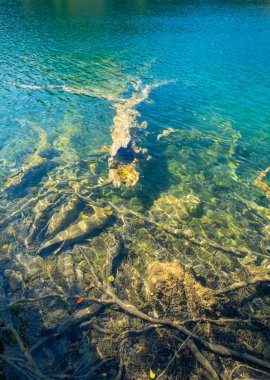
[70, 71]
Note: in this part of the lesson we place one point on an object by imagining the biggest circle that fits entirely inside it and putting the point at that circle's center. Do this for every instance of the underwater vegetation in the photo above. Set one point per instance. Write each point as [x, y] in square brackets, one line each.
[98, 283]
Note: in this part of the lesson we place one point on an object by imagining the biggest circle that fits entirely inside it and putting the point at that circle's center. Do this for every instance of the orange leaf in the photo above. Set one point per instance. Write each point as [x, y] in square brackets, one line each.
[79, 300]
[86, 288]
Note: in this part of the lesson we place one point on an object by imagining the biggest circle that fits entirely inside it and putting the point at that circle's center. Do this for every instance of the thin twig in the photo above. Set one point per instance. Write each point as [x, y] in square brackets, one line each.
[54, 295]
[19, 369]
[246, 366]
[26, 352]
[43, 340]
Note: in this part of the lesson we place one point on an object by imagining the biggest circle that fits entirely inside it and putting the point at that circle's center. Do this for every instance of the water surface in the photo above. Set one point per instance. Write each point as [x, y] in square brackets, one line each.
[211, 60]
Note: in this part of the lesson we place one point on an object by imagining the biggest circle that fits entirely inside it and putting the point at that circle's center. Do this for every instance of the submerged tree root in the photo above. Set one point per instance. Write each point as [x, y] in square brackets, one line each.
[175, 325]
[248, 367]
[180, 327]
[109, 300]
[19, 367]
[192, 340]
[243, 284]
[185, 234]
[33, 367]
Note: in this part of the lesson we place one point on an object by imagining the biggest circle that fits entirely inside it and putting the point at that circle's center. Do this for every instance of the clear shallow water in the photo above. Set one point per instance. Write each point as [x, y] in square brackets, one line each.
[217, 54]
[214, 60]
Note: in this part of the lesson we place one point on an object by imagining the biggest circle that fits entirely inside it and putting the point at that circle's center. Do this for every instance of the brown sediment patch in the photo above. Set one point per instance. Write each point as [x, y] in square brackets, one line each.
[173, 287]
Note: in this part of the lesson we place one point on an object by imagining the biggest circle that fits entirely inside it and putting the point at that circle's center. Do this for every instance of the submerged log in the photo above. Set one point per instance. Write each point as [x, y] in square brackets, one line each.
[79, 230]
[40, 209]
[67, 213]
[123, 152]
[36, 164]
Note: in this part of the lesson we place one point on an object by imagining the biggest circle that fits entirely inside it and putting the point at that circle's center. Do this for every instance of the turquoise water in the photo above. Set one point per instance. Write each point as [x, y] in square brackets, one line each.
[64, 64]
[216, 54]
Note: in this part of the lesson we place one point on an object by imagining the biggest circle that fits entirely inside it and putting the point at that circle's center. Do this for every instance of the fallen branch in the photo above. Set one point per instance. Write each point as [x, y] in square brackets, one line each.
[202, 359]
[242, 284]
[43, 340]
[25, 352]
[133, 311]
[18, 368]
[183, 343]
[246, 366]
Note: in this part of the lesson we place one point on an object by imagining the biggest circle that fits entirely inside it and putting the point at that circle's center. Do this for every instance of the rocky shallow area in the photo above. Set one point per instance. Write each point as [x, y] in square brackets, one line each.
[96, 283]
